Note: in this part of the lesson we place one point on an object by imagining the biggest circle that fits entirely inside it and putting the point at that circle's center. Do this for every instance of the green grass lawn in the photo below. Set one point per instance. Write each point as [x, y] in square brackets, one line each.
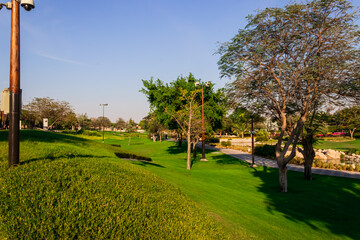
[69, 187]
[73, 188]
[338, 145]
[246, 201]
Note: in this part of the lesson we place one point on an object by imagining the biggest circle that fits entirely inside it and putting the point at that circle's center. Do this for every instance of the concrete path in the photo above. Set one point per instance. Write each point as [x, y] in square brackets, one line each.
[260, 161]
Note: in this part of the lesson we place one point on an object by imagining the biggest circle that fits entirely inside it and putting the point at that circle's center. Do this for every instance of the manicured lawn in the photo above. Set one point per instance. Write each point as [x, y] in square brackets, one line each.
[338, 145]
[247, 202]
[73, 188]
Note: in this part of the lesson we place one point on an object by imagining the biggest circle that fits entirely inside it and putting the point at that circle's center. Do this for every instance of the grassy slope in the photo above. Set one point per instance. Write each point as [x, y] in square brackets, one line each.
[247, 202]
[69, 188]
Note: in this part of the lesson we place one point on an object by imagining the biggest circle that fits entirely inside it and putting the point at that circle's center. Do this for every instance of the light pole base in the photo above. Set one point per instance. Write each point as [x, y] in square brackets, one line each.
[253, 165]
[204, 160]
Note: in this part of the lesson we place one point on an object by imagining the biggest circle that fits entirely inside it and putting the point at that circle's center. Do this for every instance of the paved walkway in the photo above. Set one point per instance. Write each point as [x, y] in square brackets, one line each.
[260, 161]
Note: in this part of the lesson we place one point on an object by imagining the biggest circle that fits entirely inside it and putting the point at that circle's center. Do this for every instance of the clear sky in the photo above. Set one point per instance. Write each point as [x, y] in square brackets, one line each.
[92, 52]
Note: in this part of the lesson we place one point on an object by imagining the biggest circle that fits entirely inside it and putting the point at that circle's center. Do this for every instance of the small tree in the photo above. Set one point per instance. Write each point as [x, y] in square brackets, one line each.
[59, 113]
[120, 123]
[349, 118]
[177, 106]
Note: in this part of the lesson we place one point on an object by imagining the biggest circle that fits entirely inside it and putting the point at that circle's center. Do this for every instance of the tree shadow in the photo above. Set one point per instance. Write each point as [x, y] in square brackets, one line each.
[43, 136]
[146, 164]
[333, 201]
[226, 159]
[174, 150]
[53, 158]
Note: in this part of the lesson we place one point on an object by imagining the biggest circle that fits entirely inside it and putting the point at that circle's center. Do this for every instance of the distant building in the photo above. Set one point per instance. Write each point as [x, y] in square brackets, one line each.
[5, 101]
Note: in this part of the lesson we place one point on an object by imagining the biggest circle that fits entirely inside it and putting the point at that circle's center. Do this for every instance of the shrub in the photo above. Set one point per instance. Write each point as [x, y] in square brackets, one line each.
[262, 136]
[81, 131]
[132, 156]
[297, 161]
[352, 150]
[357, 168]
[91, 133]
[265, 150]
[213, 140]
[226, 144]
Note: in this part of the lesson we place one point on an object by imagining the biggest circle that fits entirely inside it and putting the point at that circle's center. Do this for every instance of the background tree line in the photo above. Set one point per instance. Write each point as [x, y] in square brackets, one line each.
[61, 115]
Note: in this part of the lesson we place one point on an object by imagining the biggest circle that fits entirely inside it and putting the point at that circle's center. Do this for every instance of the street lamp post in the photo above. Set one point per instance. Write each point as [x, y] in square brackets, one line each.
[102, 122]
[207, 84]
[14, 120]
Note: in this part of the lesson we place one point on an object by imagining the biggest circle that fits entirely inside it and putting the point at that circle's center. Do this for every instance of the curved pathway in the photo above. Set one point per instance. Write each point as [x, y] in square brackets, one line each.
[260, 161]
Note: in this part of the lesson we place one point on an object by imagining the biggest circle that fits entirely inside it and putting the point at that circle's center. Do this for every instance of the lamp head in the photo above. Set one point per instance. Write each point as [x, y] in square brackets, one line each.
[197, 83]
[28, 5]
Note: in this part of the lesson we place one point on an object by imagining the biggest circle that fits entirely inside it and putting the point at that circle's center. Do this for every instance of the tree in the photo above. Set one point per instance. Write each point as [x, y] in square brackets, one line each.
[98, 123]
[286, 59]
[59, 113]
[83, 121]
[177, 106]
[120, 123]
[241, 120]
[130, 125]
[349, 118]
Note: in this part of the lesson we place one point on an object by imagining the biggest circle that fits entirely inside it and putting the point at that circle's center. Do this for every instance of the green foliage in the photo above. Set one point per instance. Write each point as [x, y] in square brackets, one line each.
[265, 150]
[212, 140]
[226, 144]
[262, 136]
[132, 156]
[60, 113]
[170, 96]
[70, 188]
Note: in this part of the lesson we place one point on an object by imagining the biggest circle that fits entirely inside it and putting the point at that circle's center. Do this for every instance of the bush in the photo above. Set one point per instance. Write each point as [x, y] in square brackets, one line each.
[226, 144]
[265, 150]
[262, 136]
[91, 133]
[212, 140]
[132, 156]
[297, 161]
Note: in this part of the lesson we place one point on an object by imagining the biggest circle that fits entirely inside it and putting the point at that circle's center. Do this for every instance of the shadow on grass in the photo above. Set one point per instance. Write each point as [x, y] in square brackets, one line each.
[42, 136]
[52, 158]
[145, 164]
[183, 150]
[226, 159]
[329, 201]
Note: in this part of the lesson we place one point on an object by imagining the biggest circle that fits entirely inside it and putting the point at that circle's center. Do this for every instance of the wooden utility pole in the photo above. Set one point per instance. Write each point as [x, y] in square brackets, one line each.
[14, 128]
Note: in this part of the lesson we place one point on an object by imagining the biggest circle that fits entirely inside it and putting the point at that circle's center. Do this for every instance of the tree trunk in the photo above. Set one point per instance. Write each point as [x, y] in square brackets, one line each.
[188, 162]
[180, 140]
[283, 178]
[194, 150]
[154, 138]
[160, 136]
[309, 155]
[352, 133]
[242, 134]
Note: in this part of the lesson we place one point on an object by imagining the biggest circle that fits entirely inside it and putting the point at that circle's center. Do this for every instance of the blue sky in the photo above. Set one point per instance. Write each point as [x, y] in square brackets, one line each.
[92, 52]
